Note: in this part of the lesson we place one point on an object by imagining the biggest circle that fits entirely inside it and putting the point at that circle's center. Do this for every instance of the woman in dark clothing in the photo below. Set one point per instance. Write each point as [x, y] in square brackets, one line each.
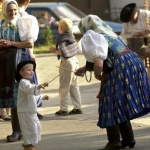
[14, 41]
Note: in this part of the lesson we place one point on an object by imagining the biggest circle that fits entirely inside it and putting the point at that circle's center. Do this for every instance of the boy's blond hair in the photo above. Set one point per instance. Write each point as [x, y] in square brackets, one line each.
[66, 24]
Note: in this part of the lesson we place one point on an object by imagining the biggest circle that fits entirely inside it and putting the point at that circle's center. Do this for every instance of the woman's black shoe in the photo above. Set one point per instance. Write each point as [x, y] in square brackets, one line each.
[16, 136]
[129, 144]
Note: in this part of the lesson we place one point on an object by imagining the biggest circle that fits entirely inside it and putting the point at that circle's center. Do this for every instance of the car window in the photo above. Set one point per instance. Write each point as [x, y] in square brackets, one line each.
[68, 12]
[43, 16]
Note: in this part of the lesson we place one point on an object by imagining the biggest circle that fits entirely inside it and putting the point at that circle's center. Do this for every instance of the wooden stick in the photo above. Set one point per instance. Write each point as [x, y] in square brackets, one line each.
[146, 5]
[55, 77]
[82, 75]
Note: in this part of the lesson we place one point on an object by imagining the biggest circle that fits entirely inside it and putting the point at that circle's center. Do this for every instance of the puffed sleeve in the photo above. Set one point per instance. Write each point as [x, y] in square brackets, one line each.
[94, 45]
[28, 28]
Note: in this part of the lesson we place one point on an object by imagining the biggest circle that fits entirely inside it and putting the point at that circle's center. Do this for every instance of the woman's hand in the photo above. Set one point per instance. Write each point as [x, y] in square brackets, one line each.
[141, 34]
[32, 57]
[98, 68]
[98, 95]
[5, 43]
[30, 50]
[98, 77]
[81, 71]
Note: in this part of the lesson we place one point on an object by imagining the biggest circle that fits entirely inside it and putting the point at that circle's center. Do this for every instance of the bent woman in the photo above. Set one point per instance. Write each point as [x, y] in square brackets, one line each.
[125, 94]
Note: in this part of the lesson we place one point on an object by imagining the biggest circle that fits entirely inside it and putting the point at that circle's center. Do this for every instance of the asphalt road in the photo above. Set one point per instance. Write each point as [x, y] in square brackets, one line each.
[74, 132]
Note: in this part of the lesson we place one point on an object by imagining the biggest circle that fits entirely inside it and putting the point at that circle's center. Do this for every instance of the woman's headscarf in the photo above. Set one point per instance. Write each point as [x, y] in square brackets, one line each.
[93, 22]
[7, 22]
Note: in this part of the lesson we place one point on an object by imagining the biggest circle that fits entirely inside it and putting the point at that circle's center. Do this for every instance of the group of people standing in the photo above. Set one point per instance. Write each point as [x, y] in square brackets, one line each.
[125, 92]
[16, 44]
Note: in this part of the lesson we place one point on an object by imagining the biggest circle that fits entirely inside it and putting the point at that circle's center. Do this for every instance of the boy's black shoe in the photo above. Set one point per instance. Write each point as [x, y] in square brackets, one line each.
[61, 113]
[75, 111]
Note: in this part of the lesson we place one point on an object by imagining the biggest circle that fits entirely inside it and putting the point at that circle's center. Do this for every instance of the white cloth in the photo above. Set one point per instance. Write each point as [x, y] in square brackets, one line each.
[30, 127]
[28, 97]
[129, 29]
[28, 27]
[94, 45]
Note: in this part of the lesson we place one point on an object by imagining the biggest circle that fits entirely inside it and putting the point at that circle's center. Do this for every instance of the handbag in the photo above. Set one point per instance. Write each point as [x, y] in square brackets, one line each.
[107, 65]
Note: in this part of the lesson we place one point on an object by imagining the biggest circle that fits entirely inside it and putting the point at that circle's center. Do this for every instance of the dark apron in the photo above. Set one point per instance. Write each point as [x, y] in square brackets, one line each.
[9, 58]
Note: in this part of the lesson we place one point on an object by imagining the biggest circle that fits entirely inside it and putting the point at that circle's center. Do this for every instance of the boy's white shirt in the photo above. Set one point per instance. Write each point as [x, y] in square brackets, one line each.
[28, 96]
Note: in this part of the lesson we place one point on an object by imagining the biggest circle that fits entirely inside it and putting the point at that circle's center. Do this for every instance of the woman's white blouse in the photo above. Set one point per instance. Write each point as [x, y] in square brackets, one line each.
[28, 28]
[94, 45]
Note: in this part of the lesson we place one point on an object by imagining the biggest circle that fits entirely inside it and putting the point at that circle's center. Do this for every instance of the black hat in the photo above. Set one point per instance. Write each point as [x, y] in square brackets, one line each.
[128, 12]
[20, 65]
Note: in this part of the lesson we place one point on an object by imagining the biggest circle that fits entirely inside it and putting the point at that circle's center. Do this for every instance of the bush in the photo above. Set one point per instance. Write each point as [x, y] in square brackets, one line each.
[48, 35]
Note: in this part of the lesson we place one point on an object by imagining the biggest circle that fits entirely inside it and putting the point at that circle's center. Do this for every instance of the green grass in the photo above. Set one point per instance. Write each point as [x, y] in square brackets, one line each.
[42, 49]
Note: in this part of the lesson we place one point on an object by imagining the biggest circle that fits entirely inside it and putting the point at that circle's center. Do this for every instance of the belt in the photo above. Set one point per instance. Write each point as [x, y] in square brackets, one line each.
[67, 57]
[125, 50]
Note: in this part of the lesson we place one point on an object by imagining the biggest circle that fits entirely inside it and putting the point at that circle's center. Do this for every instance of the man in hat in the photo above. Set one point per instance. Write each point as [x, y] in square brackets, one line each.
[134, 21]
[134, 26]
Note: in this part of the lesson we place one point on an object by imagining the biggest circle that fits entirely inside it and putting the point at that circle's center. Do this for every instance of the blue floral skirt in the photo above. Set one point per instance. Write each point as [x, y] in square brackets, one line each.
[126, 91]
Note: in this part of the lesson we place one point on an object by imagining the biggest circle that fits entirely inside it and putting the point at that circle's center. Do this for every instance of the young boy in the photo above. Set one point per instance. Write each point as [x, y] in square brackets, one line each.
[66, 49]
[27, 101]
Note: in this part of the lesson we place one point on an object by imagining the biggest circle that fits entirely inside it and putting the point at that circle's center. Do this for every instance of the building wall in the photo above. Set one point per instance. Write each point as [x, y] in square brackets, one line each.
[97, 7]
[121, 3]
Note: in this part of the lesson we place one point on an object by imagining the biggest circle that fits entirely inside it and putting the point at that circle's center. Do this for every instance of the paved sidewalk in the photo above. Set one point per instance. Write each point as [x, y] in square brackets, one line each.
[74, 132]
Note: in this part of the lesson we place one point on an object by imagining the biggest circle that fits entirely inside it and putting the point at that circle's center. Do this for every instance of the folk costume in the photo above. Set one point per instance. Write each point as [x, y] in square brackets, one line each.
[28, 99]
[68, 80]
[130, 29]
[9, 58]
[125, 91]
[4, 112]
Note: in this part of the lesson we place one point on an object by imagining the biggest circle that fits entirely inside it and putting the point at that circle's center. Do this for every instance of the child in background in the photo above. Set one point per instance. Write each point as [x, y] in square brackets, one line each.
[28, 99]
[66, 49]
